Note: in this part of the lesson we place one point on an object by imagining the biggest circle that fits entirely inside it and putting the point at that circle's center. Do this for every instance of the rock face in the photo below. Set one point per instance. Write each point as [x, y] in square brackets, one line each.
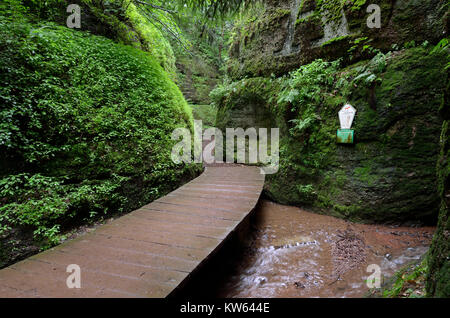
[388, 174]
[438, 282]
[290, 33]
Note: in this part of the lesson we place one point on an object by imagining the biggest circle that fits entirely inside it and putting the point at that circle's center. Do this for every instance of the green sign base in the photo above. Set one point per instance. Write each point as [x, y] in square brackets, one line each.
[345, 136]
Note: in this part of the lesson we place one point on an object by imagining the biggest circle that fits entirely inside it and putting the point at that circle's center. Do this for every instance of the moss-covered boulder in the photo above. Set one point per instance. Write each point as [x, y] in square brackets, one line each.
[389, 173]
[196, 78]
[290, 33]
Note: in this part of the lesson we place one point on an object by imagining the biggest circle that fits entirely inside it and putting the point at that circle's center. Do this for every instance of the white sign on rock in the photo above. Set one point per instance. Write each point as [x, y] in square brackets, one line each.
[346, 116]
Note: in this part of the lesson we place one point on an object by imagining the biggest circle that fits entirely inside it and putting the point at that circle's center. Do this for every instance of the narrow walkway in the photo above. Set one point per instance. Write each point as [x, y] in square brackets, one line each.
[149, 252]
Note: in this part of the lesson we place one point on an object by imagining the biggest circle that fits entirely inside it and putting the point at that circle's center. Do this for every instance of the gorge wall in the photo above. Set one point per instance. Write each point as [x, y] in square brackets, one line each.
[390, 75]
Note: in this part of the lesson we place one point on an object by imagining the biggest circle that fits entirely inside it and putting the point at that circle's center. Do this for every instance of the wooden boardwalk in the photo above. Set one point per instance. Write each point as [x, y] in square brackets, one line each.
[149, 252]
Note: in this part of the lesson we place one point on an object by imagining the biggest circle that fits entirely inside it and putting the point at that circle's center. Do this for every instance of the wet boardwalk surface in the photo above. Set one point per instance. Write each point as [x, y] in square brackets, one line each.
[148, 252]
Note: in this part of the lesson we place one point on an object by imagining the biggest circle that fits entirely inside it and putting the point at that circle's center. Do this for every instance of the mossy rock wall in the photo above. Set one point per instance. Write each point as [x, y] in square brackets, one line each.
[388, 174]
[438, 282]
[291, 33]
[119, 20]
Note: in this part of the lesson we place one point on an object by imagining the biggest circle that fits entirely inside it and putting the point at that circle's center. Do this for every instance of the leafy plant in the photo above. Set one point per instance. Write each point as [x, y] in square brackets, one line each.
[409, 44]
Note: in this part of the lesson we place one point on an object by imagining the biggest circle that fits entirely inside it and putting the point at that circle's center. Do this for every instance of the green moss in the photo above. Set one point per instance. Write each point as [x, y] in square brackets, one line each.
[259, 52]
[135, 30]
[307, 6]
[438, 276]
[206, 113]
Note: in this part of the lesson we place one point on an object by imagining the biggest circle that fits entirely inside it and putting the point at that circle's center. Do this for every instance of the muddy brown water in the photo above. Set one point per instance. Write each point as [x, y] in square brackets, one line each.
[295, 253]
